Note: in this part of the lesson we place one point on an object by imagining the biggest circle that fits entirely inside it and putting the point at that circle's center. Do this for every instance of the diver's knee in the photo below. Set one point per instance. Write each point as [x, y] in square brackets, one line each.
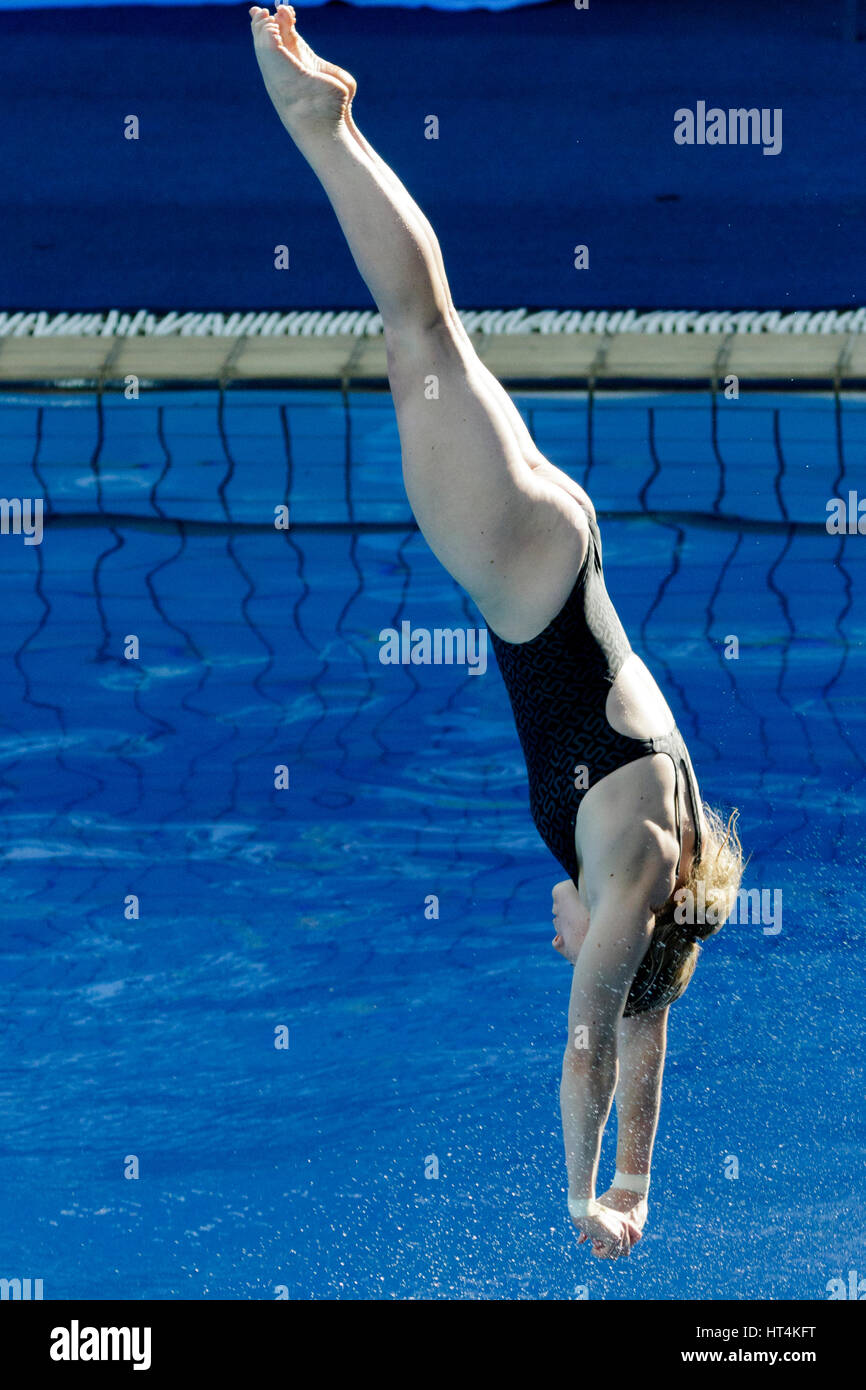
[413, 344]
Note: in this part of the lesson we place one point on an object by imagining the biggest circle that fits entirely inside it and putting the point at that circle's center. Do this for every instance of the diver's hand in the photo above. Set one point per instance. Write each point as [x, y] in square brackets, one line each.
[612, 1233]
[628, 1204]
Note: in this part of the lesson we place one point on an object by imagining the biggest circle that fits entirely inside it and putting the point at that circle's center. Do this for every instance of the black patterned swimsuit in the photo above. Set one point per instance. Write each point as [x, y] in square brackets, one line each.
[558, 684]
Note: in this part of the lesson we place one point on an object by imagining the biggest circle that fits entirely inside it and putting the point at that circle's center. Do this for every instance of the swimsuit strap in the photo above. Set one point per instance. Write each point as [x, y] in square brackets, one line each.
[674, 745]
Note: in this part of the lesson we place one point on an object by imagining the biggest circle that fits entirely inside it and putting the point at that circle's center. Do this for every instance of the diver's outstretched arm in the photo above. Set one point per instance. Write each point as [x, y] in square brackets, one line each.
[641, 1047]
[620, 929]
[642, 1041]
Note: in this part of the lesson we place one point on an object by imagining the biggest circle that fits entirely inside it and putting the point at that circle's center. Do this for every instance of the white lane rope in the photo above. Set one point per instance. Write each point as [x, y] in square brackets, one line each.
[317, 323]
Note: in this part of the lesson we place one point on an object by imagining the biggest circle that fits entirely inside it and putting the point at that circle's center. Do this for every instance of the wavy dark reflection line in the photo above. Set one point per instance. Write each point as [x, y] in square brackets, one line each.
[316, 681]
[35, 462]
[56, 709]
[806, 740]
[715, 593]
[189, 645]
[392, 709]
[231, 806]
[299, 628]
[653, 453]
[784, 604]
[18, 657]
[365, 696]
[102, 656]
[96, 456]
[303, 596]
[162, 437]
[649, 642]
[270, 653]
[162, 727]
[717, 452]
[95, 465]
[519, 883]
[230, 461]
[244, 842]
[223, 719]
[348, 470]
[728, 667]
[286, 428]
[103, 653]
[255, 752]
[396, 619]
[371, 667]
[679, 539]
[779, 479]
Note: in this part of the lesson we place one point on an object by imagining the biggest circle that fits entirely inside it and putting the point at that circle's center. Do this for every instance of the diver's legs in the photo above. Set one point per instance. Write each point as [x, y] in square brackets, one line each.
[504, 532]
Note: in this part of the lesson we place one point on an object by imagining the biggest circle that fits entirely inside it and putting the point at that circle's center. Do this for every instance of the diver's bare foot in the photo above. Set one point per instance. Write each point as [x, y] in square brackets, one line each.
[303, 88]
[286, 20]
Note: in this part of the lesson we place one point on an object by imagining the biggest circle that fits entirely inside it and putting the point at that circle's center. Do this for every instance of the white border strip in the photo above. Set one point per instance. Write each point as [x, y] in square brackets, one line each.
[317, 323]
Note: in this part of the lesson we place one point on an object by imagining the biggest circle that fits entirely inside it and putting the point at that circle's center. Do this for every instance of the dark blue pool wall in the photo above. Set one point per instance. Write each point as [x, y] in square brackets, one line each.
[556, 128]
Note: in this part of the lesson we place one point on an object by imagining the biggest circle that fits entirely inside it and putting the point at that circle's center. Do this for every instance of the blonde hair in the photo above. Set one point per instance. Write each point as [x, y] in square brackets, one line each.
[669, 964]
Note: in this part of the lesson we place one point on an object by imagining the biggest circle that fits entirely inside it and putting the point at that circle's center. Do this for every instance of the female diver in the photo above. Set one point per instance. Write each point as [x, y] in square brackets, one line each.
[614, 798]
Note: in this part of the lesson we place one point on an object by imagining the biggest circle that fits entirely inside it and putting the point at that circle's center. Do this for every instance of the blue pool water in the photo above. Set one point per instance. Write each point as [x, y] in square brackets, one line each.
[304, 908]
